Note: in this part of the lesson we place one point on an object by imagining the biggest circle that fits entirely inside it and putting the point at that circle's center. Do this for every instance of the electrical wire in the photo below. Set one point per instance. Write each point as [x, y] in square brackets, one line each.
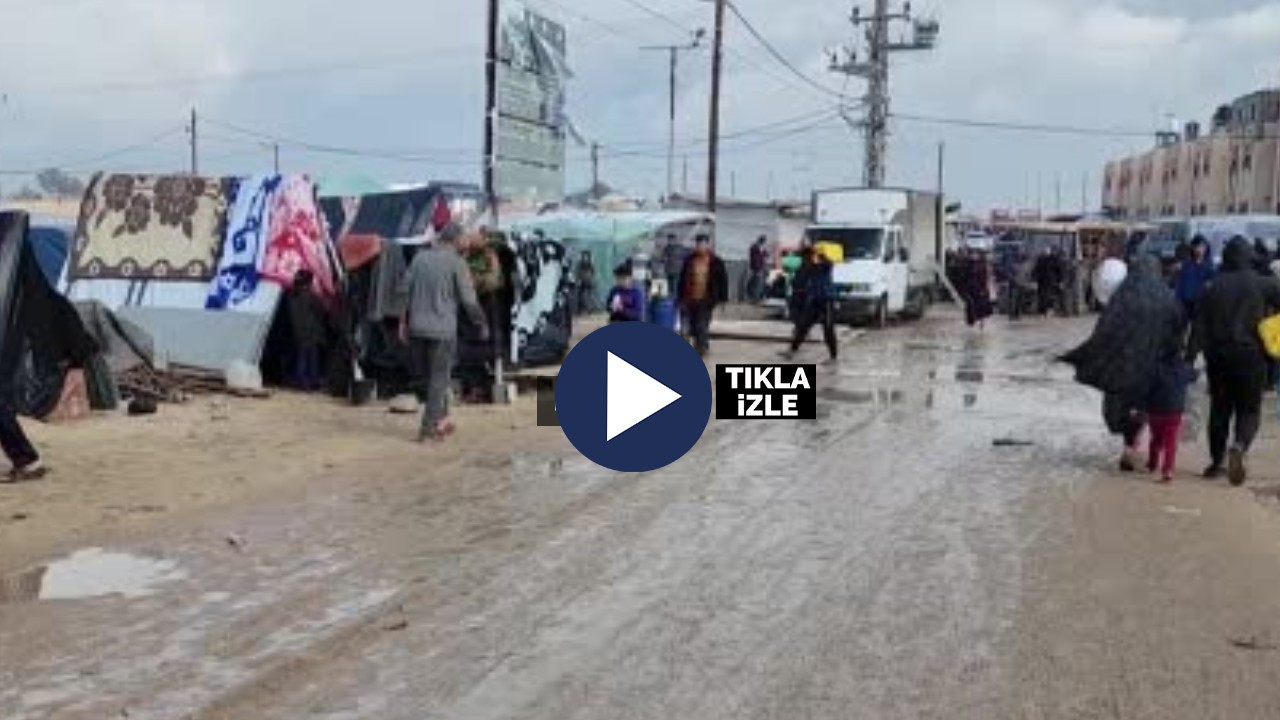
[778, 56]
[1022, 127]
[411, 156]
[149, 142]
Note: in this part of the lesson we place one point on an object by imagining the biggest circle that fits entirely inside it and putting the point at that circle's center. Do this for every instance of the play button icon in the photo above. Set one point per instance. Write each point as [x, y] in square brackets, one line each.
[633, 397]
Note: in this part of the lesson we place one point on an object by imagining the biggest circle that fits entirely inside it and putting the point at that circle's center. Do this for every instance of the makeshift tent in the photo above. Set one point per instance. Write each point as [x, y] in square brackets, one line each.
[611, 238]
[341, 186]
[41, 336]
[51, 241]
[132, 272]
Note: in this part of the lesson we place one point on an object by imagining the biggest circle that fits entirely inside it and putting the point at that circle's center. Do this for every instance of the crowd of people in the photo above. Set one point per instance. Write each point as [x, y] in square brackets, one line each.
[1017, 282]
[698, 285]
[1154, 329]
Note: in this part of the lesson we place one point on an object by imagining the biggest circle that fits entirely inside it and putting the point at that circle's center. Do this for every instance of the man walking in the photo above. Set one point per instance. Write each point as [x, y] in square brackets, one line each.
[704, 284]
[1194, 275]
[759, 261]
[437, 283]
[673, 257]
[811, 302]
[1226, 330]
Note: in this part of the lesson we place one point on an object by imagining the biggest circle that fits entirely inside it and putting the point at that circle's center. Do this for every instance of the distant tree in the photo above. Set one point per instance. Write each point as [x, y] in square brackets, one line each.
[28, 193]
[59, 184]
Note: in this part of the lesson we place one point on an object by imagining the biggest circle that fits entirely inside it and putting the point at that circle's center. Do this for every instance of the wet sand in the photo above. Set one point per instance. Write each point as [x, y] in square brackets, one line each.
[886, 561]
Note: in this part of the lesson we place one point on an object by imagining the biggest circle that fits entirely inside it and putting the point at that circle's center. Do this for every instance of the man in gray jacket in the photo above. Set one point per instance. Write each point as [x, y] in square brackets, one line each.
[436, 283]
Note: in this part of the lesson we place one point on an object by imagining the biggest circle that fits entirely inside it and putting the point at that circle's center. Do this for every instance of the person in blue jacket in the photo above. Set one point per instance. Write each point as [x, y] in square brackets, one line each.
[626, 302]
[1194, 277]
[811, 298]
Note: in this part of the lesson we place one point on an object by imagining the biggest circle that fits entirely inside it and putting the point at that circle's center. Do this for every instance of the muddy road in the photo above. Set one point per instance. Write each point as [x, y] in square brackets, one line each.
[889, 560]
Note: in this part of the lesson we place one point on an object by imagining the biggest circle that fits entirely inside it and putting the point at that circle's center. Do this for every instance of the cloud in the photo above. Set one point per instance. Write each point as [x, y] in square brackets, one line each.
[412, 71]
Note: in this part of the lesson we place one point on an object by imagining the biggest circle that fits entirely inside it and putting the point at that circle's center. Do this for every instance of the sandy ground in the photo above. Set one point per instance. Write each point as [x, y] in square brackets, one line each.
[885, 561]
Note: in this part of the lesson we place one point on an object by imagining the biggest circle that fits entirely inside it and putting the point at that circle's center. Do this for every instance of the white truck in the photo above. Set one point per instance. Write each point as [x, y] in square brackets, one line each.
[888, 244]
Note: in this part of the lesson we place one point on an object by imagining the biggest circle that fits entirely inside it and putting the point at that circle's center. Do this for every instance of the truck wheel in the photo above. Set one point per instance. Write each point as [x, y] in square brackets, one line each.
[882, 314]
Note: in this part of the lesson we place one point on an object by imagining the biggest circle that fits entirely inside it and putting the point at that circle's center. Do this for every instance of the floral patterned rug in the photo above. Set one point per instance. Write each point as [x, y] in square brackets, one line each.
[146, 227]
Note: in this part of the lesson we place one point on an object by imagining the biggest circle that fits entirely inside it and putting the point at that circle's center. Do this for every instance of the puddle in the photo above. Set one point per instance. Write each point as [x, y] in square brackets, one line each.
[90, 573]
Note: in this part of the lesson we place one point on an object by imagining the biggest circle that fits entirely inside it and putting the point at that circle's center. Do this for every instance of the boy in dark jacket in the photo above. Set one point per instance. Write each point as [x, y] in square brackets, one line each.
[1166, 404]
[626, 302]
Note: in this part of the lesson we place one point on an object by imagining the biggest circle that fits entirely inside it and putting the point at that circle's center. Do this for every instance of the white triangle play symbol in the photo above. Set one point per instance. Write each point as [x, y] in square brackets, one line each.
[631, 397]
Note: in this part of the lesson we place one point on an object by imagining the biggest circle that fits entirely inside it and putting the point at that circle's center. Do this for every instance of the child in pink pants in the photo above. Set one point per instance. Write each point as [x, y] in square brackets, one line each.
[1166, 403]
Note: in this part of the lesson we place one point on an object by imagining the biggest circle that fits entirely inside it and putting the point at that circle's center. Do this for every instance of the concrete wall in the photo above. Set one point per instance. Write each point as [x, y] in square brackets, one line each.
[1232, 172]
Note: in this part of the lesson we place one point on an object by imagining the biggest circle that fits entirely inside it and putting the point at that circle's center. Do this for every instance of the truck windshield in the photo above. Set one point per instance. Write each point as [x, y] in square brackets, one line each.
[858, 243]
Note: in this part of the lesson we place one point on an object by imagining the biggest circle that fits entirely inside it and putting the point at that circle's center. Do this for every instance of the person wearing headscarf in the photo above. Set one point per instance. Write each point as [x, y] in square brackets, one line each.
[1124, 351]
[1226, 331]
[977, 289]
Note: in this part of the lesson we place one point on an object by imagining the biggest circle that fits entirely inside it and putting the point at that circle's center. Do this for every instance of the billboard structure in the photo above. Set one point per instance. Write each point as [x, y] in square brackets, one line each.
[532, 125]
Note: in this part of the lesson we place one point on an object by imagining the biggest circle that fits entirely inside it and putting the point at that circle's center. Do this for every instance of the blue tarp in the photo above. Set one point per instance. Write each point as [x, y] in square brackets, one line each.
[51, 245]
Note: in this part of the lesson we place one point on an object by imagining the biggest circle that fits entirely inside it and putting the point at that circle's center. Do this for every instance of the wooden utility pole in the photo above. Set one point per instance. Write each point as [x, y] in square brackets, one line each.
[595, 170]
[673, 60]
[491, 111]
[195, 153]
[713, 150]
[941, 223]
[275, 157]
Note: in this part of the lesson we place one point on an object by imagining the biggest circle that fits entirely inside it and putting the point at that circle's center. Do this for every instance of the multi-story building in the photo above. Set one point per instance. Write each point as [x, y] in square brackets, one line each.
[1234, 169]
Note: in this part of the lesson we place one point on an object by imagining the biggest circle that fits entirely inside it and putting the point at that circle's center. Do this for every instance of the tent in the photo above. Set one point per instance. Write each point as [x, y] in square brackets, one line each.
[611, 238]
[377, 237]
[41, 335]
[155, 251]
[50, 238]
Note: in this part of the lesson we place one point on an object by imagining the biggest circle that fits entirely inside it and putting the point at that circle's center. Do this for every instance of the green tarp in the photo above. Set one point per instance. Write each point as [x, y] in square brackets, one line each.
[611, 238]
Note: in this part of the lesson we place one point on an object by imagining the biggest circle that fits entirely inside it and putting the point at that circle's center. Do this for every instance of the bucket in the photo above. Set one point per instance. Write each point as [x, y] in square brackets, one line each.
[662, 313]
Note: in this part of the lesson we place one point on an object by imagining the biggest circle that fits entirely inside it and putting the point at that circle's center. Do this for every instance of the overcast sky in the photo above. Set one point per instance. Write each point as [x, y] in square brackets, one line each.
[84, 78]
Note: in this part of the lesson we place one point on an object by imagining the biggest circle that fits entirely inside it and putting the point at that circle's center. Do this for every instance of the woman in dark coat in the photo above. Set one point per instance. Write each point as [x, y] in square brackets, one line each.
[1121, 356]
[977, 289]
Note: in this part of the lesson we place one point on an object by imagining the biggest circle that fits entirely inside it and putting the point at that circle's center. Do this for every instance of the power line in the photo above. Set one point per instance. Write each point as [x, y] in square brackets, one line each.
[757, 129]
[95, 159]
[814, 122]
[373, 153]
[1023, 127]
[782, 59]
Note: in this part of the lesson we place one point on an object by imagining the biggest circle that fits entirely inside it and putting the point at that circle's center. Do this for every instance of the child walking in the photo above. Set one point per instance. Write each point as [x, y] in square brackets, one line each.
[1166, 404]
[626, 301]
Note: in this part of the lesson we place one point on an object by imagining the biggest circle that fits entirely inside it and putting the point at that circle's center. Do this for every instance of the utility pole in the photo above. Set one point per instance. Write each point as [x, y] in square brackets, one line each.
[713, 149]
[673, 59]
[875, 70]
[195, 144]
[595, 170]
[491, 110]
[941, 223]
[684, 180]
[1057, 192]
[275, 157]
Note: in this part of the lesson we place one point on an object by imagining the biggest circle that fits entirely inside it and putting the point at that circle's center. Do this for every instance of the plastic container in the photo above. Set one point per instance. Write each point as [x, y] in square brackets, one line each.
[662, 312]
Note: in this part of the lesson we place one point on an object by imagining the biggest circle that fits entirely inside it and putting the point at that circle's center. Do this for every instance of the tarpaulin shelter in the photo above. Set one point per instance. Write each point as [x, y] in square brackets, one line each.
[522, 287]
[611, 238]
[41, 336]
[50, 238]
[197, 263]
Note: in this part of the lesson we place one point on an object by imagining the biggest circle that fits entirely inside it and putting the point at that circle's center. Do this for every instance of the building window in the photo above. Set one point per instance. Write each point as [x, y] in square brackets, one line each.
[1248, 162]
